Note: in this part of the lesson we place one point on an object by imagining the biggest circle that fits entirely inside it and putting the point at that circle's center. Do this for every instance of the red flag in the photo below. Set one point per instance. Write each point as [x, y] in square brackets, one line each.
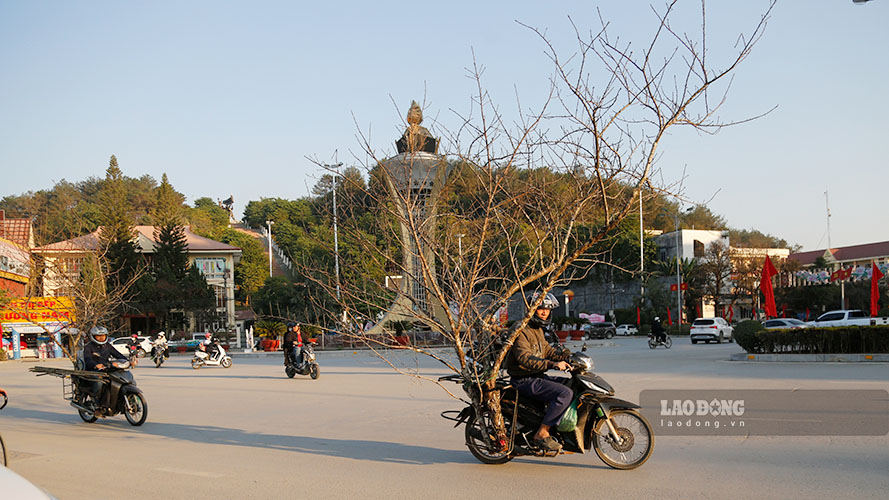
[669, 318]
[638, 318]
[875, 290]
[765, 284]
[783, 310]
[731, 314]
[807, 314]
[698, 309]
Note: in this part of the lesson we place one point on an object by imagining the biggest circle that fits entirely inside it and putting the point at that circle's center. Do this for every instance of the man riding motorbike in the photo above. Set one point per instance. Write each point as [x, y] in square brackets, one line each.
[209, 345]
[292, 344]
[99, 355]
[530, 357]
[160, 343]
[657, 330]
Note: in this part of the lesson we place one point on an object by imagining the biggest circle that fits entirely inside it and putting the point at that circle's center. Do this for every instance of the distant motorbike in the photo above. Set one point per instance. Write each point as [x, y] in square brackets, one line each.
[653, 342]
[101, 394]
[306, 365]
[619, 434]
[202, 358]
[159, 354]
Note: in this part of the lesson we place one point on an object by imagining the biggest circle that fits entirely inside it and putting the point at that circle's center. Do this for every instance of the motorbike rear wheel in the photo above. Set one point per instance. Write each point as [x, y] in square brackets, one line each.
[196, 363]
[290, 371]
[158, 361]
[482, 443]
[135, 408]
[637, 437]
[313, 371]
[226, 362]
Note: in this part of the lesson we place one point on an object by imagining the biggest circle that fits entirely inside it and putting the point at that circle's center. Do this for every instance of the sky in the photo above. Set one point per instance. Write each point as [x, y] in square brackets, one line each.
[236, 98]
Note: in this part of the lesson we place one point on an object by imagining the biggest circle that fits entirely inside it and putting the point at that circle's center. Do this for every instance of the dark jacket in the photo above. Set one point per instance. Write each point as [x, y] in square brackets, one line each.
[531, 354]
[291, 338]
[95, 354]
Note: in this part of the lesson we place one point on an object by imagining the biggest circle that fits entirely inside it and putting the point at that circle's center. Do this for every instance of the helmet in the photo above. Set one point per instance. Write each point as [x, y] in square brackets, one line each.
[657, 318]
[549, 302]
[208, 335]
[291, 324]
[161, 335]
[96, 331]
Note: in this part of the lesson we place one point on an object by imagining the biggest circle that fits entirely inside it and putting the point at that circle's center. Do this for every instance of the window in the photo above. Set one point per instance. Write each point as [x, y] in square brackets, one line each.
[699, 248]
[831, 317]
[857, 314]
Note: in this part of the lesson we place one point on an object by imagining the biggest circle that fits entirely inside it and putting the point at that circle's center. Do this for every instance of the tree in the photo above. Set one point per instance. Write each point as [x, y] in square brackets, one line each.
[717, 268]
[548, 187]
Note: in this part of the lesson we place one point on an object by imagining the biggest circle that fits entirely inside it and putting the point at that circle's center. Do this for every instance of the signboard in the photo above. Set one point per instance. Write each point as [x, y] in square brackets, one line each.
[15, 263]
[39, 310]
[211, 267]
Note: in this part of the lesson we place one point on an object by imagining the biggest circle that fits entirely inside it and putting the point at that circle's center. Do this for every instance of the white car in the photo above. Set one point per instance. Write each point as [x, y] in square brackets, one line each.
[626, 330]
[710, 330]
[15, 486]
[122, 344]
[785, 324]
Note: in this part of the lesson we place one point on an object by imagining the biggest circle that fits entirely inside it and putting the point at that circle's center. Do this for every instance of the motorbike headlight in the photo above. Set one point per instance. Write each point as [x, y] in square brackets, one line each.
[582, 360]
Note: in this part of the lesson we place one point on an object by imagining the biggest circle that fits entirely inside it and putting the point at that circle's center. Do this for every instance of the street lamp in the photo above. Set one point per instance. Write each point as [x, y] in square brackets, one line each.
[678, 255]
[269, 224]
[336, 239]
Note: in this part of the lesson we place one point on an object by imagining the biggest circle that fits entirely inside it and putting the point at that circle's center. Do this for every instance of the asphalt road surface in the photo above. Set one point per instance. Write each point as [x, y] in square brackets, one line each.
[364, 431]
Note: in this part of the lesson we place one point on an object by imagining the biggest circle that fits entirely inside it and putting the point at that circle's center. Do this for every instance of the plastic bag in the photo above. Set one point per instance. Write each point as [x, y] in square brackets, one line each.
[569, 419]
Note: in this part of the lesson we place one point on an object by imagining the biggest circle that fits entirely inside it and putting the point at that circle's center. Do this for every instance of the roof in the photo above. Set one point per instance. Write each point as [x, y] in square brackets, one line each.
[17, 231]
[144, 238]
[866, 251]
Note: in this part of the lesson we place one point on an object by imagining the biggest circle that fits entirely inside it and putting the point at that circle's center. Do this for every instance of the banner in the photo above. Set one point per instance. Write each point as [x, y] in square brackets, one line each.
[39, 310]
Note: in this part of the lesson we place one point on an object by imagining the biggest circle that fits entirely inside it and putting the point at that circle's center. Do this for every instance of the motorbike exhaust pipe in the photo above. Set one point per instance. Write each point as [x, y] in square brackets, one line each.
[80, 406]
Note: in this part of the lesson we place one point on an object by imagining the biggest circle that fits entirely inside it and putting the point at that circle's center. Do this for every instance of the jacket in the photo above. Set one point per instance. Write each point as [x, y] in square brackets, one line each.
[531, 355]
[95, 354]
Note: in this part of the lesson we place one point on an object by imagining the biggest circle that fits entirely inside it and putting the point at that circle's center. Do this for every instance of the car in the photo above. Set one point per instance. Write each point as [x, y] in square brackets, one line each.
[15, 486]
[600, 330]
[710, 330]
[626, 330]
[122, 344]
[785, 324]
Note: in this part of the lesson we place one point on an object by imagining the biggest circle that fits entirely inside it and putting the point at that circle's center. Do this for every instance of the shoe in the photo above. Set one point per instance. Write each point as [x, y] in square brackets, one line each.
[548, 444]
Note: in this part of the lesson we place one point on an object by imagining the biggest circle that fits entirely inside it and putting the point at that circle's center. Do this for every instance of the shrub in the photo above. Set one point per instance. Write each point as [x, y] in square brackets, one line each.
[839, 340]
[745, 335]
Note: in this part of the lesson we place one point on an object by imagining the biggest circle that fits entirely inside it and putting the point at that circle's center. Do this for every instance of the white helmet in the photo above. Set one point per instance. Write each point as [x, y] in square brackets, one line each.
[549, 302]
[98, 330]
[161, 335]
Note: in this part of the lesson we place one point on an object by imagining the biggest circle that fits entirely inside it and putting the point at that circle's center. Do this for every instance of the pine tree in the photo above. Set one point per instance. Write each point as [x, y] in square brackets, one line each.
[116, 235]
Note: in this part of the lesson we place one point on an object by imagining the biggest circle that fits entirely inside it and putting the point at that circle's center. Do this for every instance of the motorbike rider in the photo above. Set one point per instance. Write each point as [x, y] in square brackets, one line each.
[293, 343]
[530, 357]
[660, 335]
[99, 355]
[209, 345]
[160, 343]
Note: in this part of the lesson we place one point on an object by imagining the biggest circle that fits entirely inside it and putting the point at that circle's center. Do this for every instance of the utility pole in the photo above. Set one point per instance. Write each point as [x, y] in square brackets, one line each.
[336, 241]
[269, 224]
[641, 255]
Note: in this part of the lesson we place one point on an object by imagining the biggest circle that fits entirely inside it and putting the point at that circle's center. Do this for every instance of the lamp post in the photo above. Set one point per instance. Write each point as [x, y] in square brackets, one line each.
[641, 255]
[269, 224]
[678, 258]
[336, 239]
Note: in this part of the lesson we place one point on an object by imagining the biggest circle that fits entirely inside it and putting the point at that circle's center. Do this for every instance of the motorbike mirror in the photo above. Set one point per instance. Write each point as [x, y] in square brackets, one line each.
[583, 349]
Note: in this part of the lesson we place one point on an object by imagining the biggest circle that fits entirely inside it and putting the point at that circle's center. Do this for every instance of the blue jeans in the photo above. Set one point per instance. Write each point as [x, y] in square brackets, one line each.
[558, 396]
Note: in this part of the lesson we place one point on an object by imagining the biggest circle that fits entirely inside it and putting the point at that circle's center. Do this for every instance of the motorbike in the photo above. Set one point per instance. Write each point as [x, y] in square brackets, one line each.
[653, 342]
[202, 358]
[159, 354]
[306, 365]
[613, 428]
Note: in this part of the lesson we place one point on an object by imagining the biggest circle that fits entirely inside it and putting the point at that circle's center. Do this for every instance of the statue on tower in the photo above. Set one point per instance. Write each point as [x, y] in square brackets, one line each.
[416, 137]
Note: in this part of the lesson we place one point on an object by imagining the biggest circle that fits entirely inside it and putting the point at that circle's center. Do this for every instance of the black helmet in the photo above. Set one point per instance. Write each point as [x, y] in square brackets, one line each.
[96, 331]
[549, 302]
[290, 324]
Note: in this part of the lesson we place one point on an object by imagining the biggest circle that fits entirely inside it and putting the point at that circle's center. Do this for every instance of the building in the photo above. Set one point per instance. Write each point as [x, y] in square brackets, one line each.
[15, 268]
[215, 260]
[818, 266]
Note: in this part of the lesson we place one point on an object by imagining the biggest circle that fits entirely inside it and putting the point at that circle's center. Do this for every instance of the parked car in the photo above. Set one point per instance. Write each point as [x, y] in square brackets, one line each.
[710, 330]
[785, 324]
[122, 344]
[626, 330]
[15, 486]
[600, 330]
[847, 317]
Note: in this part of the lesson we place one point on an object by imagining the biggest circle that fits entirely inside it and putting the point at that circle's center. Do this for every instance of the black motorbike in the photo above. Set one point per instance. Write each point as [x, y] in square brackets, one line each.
[159, 354]
[653, 341]
[306, 365]
[122, 395]
[619, 434]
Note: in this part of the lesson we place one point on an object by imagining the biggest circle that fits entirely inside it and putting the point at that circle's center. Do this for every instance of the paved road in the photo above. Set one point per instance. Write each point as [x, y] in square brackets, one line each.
[363, 431]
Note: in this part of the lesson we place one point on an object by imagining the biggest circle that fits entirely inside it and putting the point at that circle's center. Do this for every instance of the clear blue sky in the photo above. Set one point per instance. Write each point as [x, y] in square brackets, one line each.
[230, 97]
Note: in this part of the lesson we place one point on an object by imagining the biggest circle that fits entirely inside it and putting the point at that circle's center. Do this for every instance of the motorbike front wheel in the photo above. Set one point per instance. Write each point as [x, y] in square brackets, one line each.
[158, 361]
[196, 363]
[482, 443]
[668, 343]
[313, 371]
[226, 362]
[637, 440]
[135, 408]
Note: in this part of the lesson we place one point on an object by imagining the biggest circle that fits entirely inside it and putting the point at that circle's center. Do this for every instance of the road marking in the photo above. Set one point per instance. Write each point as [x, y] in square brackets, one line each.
[189, 473]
